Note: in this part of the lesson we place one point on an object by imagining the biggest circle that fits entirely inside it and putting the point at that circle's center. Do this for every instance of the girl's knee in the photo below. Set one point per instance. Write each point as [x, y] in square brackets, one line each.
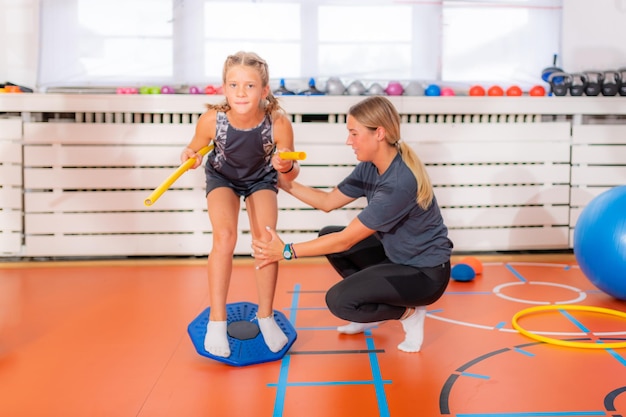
[224, 240]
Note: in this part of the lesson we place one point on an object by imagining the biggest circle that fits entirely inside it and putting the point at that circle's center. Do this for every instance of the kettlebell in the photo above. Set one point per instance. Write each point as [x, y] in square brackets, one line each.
[282, 89]
[560, 83]
[611, 83]
[578, 85]
[547, 72]
[622, 86]
[594, 83]
[312, 91]
[356, 88]
[334, 87]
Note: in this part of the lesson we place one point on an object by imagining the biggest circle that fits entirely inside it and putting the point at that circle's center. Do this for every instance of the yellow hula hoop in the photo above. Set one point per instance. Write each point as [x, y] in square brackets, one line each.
[584, 345]
[154, 196]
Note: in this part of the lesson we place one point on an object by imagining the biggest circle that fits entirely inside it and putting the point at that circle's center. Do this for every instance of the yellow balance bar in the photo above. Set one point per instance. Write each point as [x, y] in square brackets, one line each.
[154, 196]
[296, 156]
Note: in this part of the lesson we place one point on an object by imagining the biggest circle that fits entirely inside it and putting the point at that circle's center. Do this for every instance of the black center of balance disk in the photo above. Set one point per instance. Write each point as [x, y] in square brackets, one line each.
[243, 330]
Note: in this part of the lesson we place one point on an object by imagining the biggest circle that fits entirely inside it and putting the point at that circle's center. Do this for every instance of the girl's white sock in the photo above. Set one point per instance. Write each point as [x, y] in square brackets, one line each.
[216, 340]
[274, 337]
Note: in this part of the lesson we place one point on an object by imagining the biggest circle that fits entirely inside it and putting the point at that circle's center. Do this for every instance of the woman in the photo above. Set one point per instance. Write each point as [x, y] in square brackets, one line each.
[394, 257]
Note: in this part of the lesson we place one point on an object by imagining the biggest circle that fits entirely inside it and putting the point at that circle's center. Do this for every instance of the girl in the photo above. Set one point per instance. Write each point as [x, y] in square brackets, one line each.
[246, 129]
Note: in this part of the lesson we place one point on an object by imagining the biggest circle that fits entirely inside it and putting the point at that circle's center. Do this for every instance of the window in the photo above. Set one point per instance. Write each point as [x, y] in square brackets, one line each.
[89, 42]
[272, 30]
[499, 41]
[185, 42]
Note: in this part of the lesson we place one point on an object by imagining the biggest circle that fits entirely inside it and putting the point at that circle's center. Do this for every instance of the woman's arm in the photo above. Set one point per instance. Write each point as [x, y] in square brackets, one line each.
[272, 251]
[316, 198]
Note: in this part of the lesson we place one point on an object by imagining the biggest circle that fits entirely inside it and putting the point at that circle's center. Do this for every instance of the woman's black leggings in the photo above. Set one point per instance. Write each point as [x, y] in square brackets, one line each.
[375, 289]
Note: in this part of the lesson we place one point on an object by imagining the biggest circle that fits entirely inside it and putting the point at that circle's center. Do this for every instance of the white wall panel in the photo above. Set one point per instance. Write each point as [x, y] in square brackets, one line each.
[11, 198]
[486, 132]
[11, 175]
[499, 174]
[543, 238]
[509, 174]
[11, 244]
[118, 245]
[10, 220]
[105, 178]
[89, 201]
[103, 155]
[109, 134]
[518, 195]
[11, 205]
[11, 129]
[598, 163]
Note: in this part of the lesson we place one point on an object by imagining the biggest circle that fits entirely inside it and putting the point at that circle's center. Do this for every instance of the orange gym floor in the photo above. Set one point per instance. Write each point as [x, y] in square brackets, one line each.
[109, 339]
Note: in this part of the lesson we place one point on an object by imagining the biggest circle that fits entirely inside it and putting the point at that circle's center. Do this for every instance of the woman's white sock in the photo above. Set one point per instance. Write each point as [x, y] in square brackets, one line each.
[354, 328]
[414, 328]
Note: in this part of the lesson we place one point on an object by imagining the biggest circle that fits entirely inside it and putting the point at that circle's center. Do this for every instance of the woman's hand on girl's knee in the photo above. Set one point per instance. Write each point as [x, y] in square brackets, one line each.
[268, 252]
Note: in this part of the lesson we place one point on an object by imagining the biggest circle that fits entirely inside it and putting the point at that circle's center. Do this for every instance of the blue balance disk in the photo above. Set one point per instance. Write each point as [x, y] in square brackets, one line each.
[247, 346]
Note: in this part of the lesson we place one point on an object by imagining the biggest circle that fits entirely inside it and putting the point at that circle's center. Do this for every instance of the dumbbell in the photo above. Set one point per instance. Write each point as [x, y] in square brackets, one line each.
[611, 83]
[622, 87]
[559, 83]
[594, 82]
[578, 85]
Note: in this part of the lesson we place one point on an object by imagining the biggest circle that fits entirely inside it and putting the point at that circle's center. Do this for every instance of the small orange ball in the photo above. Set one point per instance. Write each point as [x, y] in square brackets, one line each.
[514, 90]
[476, 90]
[537, 91]
[495, 90]
[475, 263]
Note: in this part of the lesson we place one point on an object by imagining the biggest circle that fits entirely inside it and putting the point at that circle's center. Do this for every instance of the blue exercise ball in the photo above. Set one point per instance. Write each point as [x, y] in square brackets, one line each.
[600, 242]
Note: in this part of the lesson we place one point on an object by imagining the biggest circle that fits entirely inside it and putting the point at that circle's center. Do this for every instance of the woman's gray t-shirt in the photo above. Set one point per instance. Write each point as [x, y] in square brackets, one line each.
[410, 235]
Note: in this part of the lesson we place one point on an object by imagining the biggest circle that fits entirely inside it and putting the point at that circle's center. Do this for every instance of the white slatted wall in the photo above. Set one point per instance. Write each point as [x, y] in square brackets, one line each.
[502, 182]
[10, 186]
[85, 186]
[598, 162]
[501, 186]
